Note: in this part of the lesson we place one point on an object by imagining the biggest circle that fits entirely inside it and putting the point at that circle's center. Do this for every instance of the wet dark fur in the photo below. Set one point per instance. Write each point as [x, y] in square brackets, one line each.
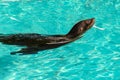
[37, 42]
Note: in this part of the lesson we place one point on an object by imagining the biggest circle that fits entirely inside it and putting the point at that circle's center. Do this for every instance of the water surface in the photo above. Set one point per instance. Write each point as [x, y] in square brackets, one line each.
[96, 56]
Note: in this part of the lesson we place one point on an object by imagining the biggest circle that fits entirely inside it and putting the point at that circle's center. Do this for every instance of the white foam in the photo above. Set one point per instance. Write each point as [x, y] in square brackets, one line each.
[98, 27]
[12, 18]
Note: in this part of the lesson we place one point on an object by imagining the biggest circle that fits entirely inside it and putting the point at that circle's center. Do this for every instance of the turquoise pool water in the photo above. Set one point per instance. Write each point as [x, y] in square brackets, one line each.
[96, 56]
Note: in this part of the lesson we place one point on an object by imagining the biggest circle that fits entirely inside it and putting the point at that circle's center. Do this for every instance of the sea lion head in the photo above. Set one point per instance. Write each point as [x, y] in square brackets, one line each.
[81, 27]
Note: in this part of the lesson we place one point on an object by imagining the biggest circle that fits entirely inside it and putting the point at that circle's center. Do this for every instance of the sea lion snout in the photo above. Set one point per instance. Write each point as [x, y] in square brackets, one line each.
[89, 22]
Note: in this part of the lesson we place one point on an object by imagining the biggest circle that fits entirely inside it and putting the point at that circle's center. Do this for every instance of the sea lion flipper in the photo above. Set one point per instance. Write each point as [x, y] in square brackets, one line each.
[25, 51]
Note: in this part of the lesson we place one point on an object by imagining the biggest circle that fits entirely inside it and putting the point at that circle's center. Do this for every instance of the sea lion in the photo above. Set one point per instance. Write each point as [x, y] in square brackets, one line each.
[37, 42]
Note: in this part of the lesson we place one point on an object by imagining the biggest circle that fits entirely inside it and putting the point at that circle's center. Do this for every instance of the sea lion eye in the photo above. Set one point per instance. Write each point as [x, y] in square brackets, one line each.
[88, 22]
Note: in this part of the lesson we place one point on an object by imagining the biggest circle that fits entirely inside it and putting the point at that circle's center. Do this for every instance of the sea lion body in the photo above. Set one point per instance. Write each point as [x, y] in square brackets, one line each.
[37, 42]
